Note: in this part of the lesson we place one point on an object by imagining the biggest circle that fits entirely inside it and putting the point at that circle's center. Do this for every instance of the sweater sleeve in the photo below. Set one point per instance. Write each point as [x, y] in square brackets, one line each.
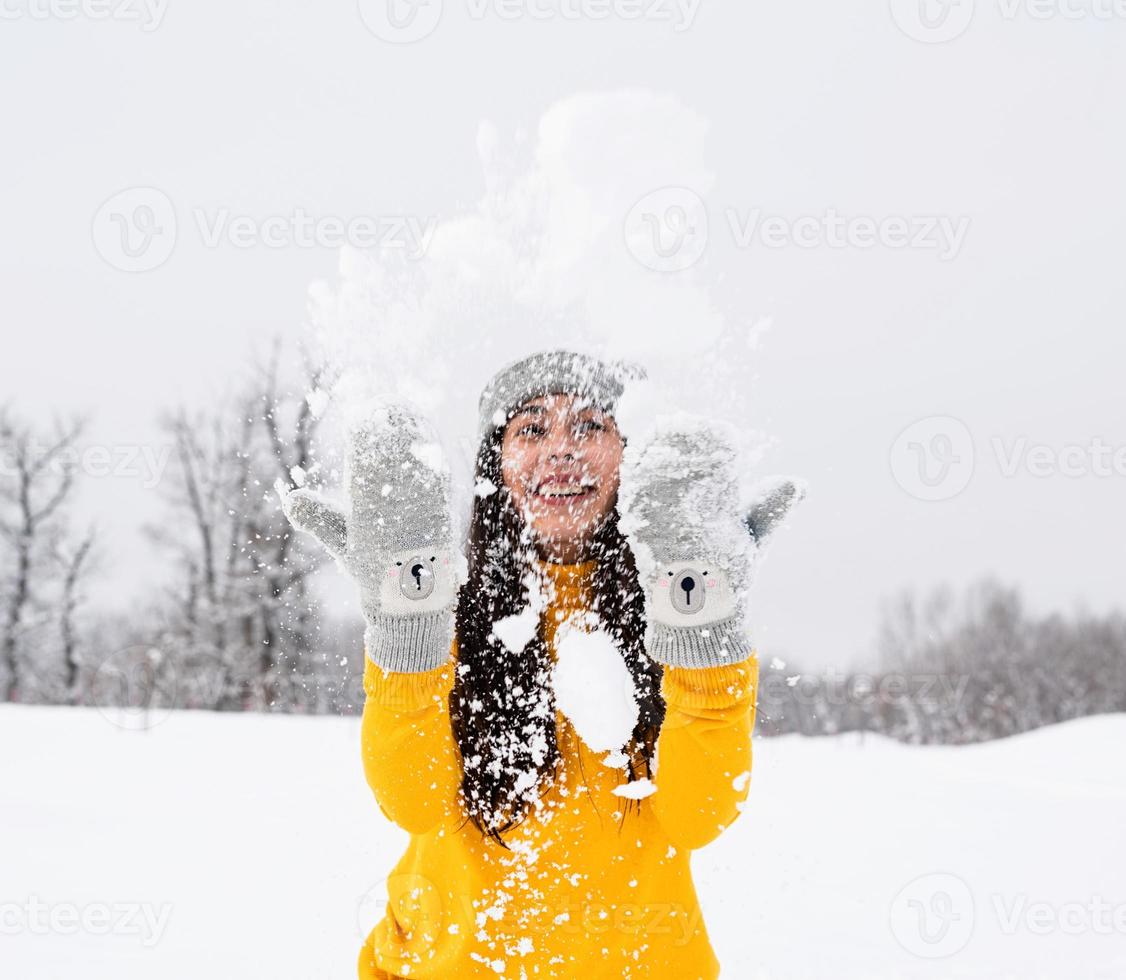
[410, 760]
[704, 750]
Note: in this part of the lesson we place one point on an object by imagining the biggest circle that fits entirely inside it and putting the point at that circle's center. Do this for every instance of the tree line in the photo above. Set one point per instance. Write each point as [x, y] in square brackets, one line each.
[235, 625]
[954, 669]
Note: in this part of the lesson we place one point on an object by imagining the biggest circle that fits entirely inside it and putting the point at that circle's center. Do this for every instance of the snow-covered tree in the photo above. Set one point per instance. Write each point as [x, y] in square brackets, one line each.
[42, 569]
[241, 630]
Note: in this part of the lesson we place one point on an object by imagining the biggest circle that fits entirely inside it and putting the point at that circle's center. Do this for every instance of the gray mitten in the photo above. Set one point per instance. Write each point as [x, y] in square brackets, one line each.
[679, 501]
[397, 543]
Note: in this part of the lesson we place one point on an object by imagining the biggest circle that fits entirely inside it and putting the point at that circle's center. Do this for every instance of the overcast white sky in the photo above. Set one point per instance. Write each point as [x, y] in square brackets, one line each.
[1015, 126]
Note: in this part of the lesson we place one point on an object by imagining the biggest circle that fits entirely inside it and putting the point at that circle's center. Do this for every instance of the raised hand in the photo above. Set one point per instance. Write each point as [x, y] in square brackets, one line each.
[694, 548]
[397, 540]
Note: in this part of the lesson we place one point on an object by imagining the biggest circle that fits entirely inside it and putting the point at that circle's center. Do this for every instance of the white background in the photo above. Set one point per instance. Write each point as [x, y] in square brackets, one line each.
[263, 107]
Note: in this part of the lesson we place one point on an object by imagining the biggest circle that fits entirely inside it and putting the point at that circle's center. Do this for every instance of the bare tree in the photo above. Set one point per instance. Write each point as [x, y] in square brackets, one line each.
[285, 566]
[35, 488]
[75, 566]
[242, 587]
[201, 532]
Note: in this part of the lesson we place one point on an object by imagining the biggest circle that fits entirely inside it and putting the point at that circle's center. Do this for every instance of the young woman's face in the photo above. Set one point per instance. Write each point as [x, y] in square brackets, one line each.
[559, 462]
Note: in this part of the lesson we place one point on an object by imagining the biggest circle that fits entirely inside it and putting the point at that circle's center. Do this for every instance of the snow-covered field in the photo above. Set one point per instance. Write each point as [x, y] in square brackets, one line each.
[248, 846]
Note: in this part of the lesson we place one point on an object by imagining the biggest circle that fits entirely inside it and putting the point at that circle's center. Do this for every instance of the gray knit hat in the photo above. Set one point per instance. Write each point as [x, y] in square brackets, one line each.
[553, 372]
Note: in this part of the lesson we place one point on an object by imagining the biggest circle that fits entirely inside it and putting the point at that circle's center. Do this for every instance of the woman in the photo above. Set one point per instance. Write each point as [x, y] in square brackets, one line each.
[532, 854]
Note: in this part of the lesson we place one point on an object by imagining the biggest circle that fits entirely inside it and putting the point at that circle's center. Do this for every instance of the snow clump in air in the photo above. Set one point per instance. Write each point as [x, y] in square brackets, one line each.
[593, 687]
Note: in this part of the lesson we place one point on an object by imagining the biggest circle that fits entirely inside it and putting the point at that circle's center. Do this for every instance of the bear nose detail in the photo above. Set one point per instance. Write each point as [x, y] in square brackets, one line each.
[688, 584]
[686, 595]
[416, 580]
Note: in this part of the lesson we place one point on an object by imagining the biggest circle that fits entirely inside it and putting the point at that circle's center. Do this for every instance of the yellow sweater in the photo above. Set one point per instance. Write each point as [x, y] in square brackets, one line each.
[587, 891]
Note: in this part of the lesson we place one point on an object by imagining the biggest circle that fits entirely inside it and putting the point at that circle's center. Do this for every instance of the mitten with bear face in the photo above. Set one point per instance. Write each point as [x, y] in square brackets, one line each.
[396, 542]
[694, 549]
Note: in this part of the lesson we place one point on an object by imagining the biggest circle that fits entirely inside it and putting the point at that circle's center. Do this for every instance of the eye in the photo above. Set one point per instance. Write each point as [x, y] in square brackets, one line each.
[399, 563]
[590, 425]
[531, 429]
[432, 558]
[670, 574]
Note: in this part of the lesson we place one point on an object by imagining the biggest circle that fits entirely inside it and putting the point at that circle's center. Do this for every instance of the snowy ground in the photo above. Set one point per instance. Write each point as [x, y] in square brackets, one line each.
[255, 851]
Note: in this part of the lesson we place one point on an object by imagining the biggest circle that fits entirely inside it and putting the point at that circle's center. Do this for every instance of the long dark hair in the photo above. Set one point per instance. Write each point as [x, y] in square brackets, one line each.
[502, 709]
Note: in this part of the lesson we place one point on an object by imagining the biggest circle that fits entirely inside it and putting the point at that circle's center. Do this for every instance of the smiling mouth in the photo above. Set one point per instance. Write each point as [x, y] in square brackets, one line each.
[559, 493]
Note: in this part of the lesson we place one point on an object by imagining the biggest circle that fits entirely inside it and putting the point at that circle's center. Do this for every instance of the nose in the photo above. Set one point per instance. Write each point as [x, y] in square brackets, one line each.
[560, 444]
